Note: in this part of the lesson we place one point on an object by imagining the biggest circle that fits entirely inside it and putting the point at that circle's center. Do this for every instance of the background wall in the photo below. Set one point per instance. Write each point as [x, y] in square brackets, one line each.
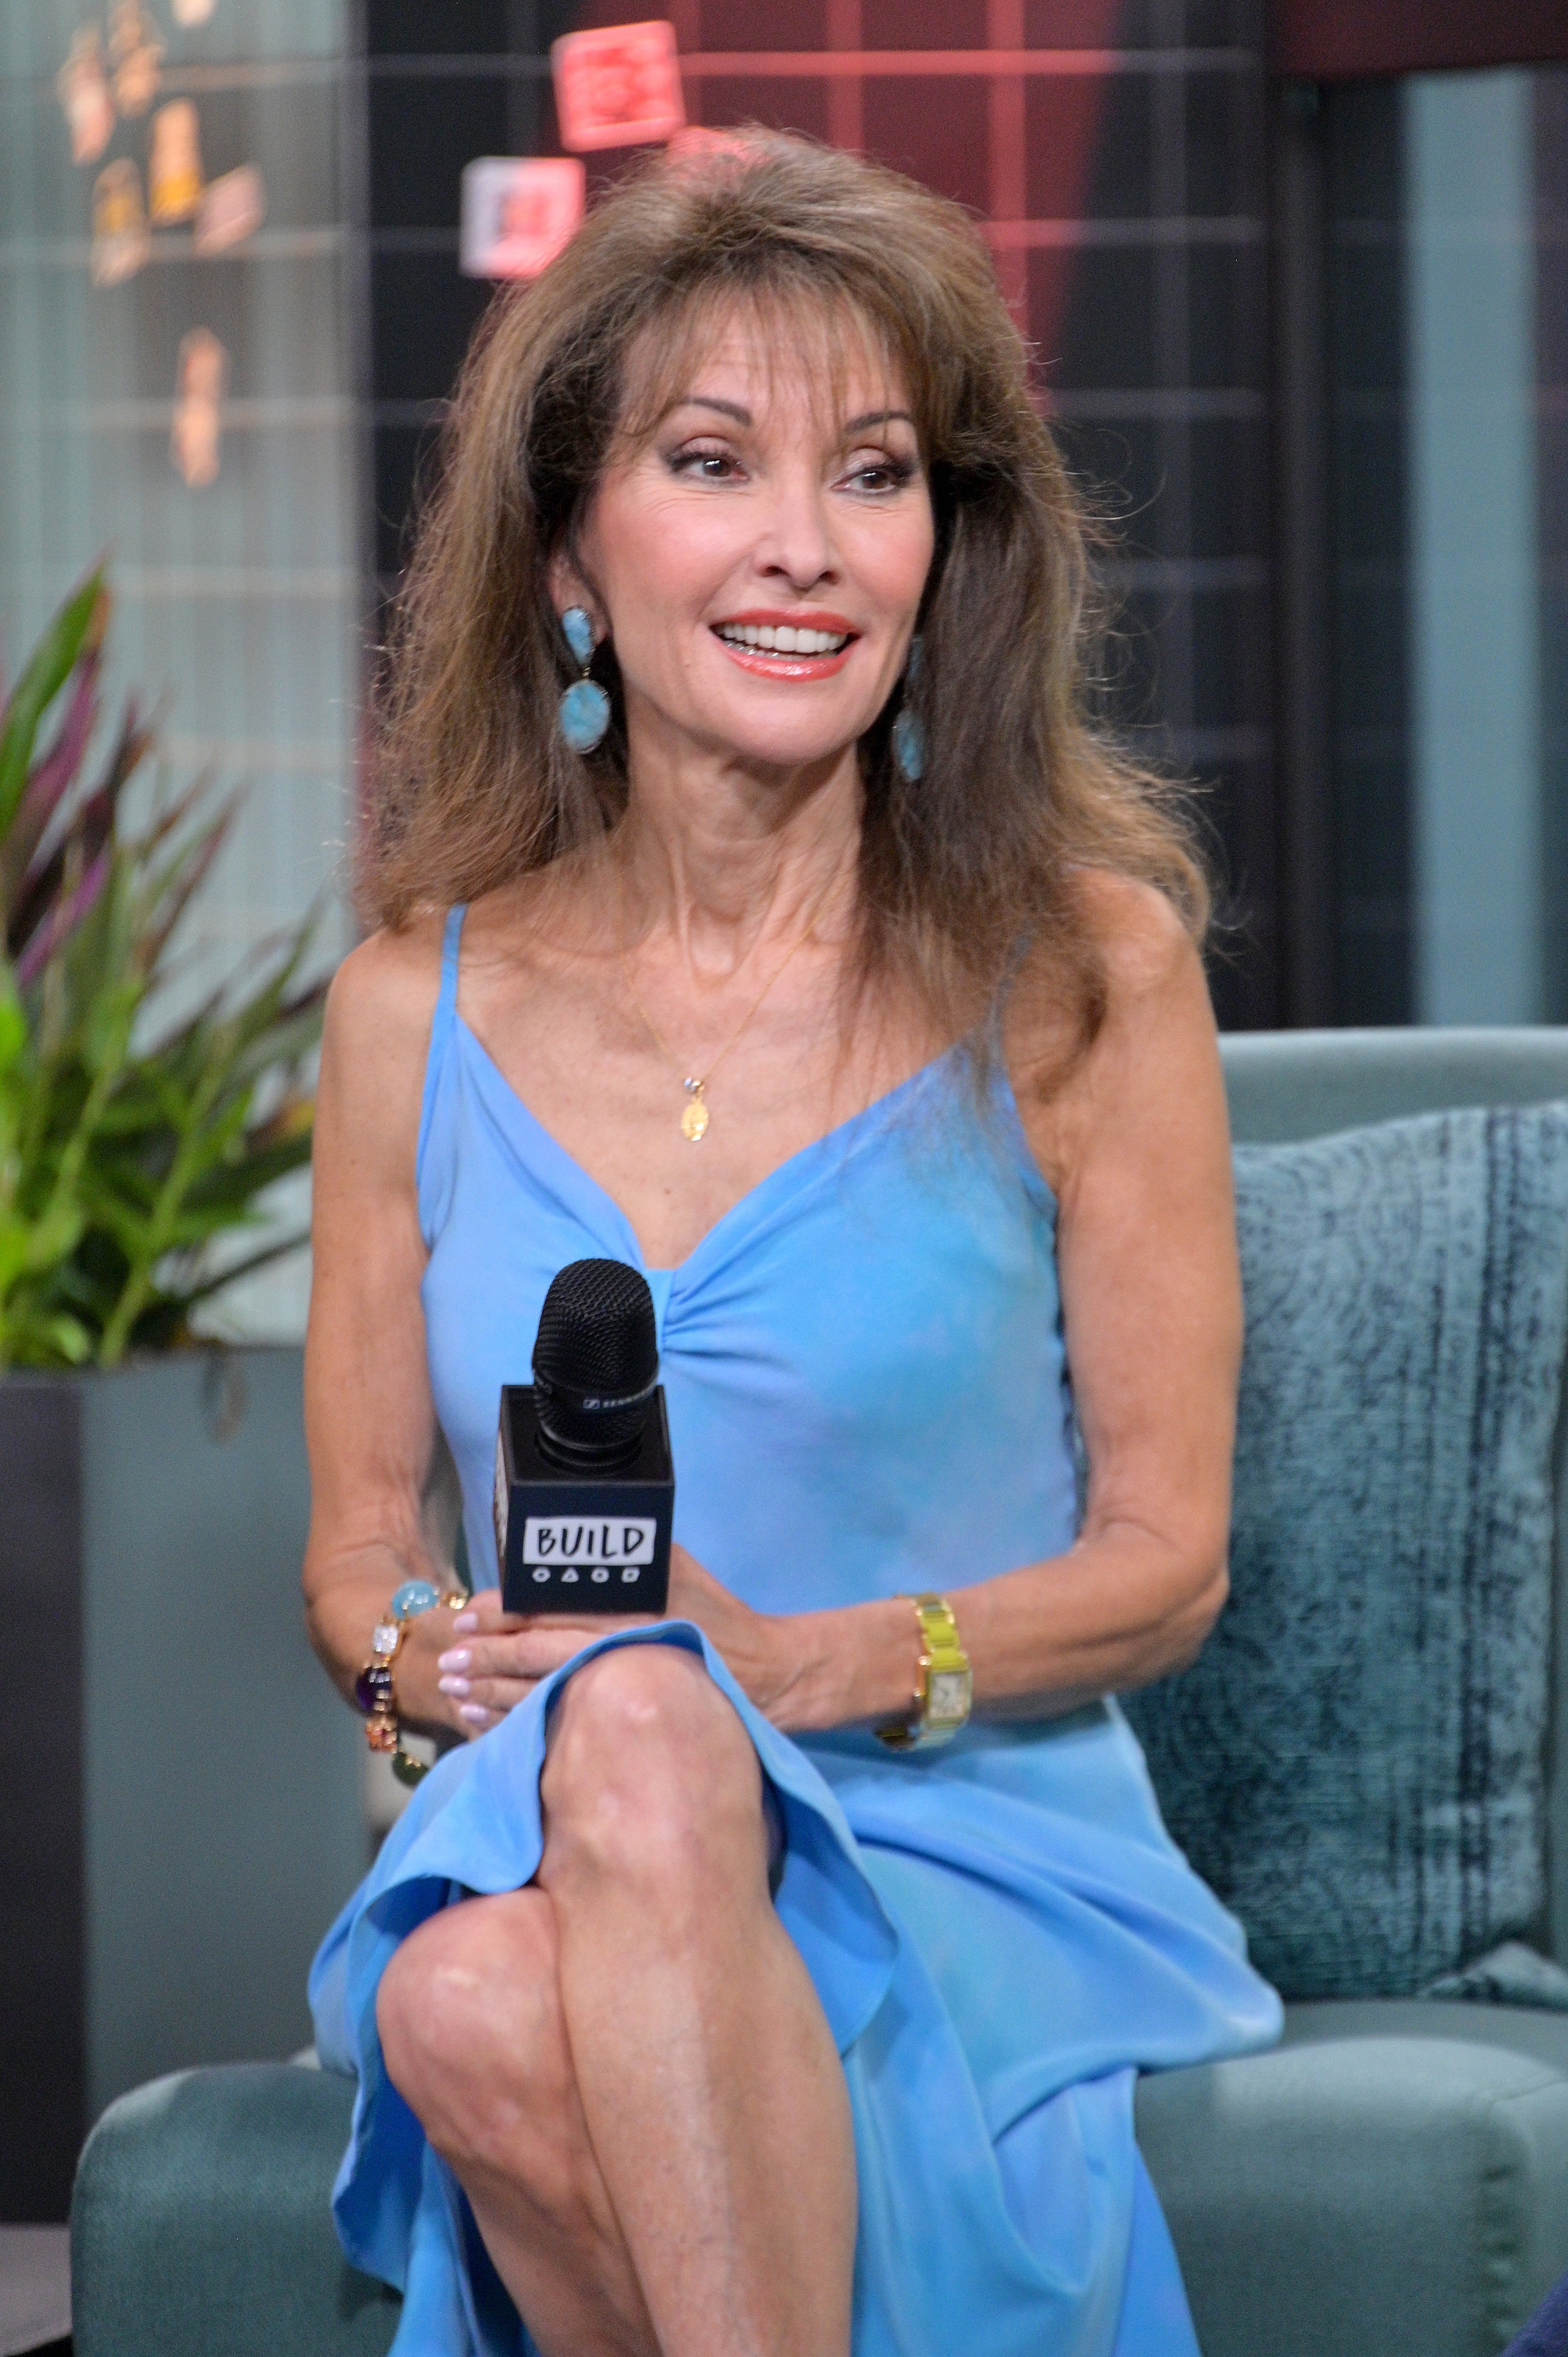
[238, 603]
[1268, 321]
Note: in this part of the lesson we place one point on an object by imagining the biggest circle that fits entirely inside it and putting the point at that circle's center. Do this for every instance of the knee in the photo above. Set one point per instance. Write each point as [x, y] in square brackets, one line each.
[650, 1769]
[472, 2035]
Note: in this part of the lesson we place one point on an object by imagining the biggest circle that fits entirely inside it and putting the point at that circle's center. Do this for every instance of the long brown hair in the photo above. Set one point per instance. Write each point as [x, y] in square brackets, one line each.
[1021, 789]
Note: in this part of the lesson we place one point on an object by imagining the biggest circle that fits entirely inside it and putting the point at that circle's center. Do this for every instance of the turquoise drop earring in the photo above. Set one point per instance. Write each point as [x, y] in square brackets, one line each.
[908, 730]
[584, 707]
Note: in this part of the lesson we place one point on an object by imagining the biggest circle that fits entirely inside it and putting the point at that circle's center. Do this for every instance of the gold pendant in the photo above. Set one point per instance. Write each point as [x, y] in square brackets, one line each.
[694, 1120]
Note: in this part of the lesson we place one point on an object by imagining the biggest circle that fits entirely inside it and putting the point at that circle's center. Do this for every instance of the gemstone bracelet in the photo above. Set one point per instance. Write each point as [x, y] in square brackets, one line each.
[373, 1687]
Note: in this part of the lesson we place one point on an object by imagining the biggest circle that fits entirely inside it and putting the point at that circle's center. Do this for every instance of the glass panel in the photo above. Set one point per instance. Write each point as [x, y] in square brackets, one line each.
[1448, 287]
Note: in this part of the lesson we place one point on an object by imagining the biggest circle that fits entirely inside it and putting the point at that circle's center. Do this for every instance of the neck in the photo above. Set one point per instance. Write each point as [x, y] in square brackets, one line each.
[721, 859]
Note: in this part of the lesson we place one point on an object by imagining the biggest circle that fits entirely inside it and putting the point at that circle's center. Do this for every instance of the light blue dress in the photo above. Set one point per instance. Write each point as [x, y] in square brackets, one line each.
[869, 1394]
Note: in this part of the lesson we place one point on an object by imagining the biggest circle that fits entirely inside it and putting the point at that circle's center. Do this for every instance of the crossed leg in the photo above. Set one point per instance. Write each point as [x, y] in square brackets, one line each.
[625, 2064]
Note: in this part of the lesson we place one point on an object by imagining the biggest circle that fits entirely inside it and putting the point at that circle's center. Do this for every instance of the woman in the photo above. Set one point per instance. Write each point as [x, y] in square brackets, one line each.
[848, 985]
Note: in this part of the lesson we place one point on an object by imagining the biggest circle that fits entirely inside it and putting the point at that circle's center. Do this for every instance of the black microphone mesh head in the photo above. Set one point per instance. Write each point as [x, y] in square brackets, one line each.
[597, 1357]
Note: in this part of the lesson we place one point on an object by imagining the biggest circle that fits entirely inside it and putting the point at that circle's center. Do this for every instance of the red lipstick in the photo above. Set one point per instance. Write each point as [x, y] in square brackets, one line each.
[768, 663]
[798, 618]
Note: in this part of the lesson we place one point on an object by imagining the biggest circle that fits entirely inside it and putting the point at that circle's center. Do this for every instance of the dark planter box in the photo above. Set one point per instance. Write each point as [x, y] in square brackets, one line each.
[180, 1808]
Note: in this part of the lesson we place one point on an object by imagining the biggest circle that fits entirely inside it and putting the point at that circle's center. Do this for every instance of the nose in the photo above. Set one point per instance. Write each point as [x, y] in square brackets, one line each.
[796, 544]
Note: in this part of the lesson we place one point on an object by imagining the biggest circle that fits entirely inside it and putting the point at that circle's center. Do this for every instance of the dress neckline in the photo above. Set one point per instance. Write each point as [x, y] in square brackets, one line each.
[772, 1188]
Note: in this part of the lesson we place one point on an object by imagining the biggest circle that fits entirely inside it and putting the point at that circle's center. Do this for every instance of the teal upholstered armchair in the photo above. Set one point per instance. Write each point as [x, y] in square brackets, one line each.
[1393, 2181]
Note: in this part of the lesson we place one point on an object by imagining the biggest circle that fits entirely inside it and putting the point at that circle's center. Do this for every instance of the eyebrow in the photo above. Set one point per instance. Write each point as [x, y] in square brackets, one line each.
[744, 417]
[709, 401]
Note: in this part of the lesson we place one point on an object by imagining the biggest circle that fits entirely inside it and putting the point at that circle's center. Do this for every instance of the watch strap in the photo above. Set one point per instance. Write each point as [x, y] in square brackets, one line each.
[945, 1692]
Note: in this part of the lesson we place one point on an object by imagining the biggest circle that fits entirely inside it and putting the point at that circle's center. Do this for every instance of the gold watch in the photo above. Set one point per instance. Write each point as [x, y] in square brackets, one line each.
[944, 1693]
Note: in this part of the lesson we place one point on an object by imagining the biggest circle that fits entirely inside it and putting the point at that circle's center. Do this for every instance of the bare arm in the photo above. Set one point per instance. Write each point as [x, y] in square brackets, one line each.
[1136, 1148]
[1138, 1152]
[369, 1420]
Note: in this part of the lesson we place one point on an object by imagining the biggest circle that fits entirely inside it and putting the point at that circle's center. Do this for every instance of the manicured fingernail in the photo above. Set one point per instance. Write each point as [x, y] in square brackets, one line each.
[474, 1711]
[457, 1659]
[467, 1622]
[454, 1685]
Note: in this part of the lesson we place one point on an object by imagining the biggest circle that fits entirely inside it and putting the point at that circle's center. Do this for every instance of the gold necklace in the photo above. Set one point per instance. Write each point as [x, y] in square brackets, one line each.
[695, 1114]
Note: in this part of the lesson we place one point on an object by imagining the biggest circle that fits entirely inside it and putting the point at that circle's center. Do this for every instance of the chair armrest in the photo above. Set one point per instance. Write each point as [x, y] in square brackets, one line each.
[201, 2224]
[1392, 2179]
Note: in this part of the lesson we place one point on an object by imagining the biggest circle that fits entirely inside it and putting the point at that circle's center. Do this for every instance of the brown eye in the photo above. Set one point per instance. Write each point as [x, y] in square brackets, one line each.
[881, 475]
[705, 465]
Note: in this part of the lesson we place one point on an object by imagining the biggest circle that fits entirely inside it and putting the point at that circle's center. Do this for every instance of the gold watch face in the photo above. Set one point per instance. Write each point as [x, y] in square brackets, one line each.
[948, 1694]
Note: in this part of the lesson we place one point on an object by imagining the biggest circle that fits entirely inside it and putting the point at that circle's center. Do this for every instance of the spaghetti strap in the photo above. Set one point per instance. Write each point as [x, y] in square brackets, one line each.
[451, 947]
[441, 1022]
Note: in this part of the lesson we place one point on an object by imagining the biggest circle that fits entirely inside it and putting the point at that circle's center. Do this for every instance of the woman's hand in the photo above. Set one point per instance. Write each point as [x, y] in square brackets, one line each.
[852, 1665]
[492, 1659]
[759, 1649]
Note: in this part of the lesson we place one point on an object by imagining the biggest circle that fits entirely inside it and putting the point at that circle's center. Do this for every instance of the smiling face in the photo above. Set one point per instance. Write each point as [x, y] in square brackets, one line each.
[760, 555]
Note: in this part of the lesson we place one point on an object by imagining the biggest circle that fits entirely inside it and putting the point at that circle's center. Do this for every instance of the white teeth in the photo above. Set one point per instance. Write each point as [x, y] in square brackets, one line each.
[782, 637]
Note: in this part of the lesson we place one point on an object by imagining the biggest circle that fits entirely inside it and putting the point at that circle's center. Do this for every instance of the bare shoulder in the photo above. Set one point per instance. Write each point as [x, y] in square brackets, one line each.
[1148, 969]
[1154, 1048]
[1146, 951]
[379, 1014]
[388, 985]
[390, 979]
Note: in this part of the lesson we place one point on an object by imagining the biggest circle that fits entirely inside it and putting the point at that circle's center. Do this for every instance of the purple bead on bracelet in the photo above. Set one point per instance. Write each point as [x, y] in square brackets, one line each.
[373, 1682]
[373, 1689]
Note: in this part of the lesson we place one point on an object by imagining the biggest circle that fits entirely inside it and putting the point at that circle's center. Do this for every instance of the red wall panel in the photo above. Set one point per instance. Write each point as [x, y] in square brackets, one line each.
[1346, 40]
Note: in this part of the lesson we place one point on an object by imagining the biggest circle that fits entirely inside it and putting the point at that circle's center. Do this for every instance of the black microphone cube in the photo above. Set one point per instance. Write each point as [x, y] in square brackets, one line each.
[595, 1539]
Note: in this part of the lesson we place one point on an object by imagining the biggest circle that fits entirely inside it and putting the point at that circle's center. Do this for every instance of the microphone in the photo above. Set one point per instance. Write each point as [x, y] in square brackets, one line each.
[585, 1486]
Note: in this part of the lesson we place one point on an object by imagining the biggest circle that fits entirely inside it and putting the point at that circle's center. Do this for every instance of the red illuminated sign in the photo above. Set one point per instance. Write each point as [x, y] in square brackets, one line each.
[617, 85]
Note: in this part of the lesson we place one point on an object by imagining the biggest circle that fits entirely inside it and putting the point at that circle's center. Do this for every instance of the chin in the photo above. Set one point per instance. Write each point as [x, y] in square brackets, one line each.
[790, 740]
[775, 751]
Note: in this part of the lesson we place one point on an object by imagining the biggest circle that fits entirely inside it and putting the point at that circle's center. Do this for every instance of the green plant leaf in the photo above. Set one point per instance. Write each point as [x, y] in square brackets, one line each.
[80, 623]
[13, 1021]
